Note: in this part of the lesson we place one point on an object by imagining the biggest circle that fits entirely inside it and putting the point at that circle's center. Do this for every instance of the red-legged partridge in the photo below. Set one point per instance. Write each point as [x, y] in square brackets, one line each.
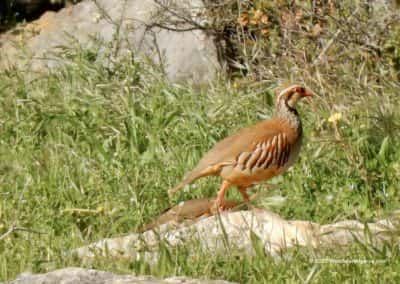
[255, 153]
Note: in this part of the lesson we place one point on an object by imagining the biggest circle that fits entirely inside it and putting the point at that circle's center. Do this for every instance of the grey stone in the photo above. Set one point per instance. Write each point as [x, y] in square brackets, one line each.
[75, 275]
[238, 229]
[122, 28]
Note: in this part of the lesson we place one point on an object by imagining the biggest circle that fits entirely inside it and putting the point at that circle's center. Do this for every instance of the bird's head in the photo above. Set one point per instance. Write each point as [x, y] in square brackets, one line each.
[291, 95]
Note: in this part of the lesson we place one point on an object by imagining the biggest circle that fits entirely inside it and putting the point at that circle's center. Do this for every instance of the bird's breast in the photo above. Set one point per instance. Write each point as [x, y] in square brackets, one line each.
[246, 177]
[294, 153]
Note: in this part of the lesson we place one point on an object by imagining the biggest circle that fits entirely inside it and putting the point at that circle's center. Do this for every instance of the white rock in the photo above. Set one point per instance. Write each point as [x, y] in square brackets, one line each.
[121, 27]
[275, 233]
[74, 275]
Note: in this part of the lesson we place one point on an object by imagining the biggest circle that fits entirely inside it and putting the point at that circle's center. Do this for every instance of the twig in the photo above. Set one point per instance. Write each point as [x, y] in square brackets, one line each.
[14, 228]
[169, 28]
[82, 211]
[29, 230]
[104, 13]
[10, 231]
[181, 16]
[325, 49]
[159, 53]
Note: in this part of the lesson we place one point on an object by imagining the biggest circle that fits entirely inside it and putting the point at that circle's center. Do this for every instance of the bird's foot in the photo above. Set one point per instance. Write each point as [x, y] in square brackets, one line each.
[220, 206]
[245, 196]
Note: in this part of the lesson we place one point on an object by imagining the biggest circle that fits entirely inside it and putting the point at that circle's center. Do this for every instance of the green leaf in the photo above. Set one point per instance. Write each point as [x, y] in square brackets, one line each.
[384, 148]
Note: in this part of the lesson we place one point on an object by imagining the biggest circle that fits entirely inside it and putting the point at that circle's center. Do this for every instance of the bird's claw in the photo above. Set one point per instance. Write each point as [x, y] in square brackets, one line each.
[219, 207]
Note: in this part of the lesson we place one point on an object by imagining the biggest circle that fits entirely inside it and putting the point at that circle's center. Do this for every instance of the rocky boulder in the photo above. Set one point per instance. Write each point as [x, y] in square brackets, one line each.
[195, 220]
[74, 275]
[168, 33]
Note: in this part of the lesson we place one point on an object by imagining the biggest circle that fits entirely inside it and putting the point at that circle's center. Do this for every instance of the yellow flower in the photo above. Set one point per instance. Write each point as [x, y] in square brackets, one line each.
[257, 15]
[243, 20]
[335, 117]
[255, 19]
[264, 19]
[264, 32]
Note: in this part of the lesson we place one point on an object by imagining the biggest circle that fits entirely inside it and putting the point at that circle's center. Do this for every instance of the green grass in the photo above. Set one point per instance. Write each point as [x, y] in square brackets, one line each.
[114, 140]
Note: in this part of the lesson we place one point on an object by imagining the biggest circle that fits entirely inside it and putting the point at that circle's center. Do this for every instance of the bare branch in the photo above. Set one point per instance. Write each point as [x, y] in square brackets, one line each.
[9, 231]
[13, 228]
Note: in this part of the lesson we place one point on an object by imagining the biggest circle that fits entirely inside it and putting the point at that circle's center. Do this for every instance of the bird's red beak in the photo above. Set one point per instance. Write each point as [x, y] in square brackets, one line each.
[307, 93]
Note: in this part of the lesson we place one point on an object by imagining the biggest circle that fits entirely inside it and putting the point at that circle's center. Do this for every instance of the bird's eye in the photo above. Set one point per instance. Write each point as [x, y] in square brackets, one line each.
[302, 90]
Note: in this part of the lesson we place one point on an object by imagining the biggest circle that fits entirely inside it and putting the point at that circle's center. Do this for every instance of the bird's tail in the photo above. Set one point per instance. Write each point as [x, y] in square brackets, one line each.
[194, 175]
[191, 177]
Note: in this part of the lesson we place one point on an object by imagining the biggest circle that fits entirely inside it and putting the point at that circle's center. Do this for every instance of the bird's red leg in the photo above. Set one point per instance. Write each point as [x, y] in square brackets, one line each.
[221, 195]
[243, 192]
[246, 198]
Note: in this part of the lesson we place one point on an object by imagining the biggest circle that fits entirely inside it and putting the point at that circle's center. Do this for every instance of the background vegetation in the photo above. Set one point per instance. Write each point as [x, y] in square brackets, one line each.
[89, 152]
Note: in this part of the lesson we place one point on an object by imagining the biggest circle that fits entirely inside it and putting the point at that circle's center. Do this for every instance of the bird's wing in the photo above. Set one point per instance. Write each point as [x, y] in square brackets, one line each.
[252, 146]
